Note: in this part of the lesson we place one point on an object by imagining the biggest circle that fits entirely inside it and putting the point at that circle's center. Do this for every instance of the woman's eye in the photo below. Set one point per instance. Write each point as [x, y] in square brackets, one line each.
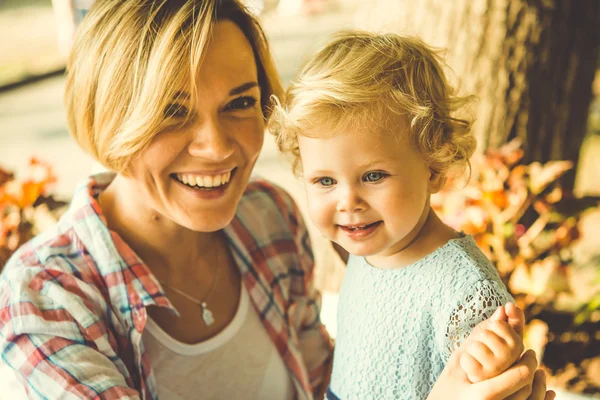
[326, 182]
[374, 176]
[242, 103]
[175, 110]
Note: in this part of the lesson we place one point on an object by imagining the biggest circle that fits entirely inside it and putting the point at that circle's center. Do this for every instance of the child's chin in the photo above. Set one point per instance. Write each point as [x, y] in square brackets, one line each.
[361, 251]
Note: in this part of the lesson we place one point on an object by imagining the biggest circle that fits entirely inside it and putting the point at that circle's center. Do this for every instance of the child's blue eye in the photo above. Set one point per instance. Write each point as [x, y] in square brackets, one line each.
[326, 182]
[374, 176]
[242, 103]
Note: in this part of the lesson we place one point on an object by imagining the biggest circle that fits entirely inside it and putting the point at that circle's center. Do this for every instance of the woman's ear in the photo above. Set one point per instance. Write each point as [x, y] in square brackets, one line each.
[437, 181]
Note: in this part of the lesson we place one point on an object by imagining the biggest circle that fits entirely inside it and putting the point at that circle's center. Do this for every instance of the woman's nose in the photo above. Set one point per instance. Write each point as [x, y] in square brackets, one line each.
[350, 201]
[211, 142]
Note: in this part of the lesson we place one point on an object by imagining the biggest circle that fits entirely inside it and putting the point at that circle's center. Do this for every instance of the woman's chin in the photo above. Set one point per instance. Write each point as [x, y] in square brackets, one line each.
[211, 223]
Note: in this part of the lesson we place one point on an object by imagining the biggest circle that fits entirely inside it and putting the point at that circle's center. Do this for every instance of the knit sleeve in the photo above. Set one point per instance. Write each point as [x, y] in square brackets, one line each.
[476, 306]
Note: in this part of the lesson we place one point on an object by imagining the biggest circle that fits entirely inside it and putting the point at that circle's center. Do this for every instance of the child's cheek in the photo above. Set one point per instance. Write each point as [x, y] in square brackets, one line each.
[321, 213]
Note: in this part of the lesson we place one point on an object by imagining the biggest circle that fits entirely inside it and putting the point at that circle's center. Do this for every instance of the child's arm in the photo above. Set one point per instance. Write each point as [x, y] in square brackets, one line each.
[494, 345]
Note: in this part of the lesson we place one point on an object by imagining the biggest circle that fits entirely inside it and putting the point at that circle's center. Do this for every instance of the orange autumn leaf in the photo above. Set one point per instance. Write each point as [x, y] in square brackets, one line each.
[497, 197]
[30, 193]
[41, 171]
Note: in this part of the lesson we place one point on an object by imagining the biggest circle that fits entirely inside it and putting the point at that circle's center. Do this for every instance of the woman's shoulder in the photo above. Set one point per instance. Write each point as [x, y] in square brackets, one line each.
[51, 281]
[70, 246]
[54, 257]
[43, 249]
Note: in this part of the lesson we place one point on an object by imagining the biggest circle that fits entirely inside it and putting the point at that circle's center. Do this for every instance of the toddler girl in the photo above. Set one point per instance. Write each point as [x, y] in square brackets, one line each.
[372, 124]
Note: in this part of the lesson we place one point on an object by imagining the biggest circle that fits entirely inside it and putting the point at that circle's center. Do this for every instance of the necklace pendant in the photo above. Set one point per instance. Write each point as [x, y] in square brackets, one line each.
[207, 315]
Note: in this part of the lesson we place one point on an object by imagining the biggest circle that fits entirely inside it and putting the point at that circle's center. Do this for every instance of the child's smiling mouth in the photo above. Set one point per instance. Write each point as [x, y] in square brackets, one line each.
[360, 231]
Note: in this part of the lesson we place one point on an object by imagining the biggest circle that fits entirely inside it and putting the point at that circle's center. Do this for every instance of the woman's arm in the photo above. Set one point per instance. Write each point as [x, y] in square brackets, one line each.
[52, 367]
[51, 338]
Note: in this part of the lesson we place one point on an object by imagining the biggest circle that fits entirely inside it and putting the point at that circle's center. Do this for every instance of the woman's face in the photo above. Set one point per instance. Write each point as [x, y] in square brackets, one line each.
[195, 175]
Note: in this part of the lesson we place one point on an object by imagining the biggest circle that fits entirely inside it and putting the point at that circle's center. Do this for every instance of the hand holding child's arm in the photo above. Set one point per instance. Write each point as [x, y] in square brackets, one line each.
[519, 382]
[494, 345]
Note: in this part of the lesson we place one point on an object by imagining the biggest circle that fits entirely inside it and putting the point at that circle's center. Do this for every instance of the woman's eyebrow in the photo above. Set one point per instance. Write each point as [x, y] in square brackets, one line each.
[181, 95]
[242, 88]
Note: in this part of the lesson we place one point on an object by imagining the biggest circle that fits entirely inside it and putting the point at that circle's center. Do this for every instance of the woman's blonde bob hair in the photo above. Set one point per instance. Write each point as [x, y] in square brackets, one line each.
[131, 57]
[364, 81]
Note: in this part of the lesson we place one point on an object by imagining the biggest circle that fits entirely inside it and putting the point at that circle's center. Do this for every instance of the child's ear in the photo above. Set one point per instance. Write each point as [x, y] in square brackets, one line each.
[436, 182]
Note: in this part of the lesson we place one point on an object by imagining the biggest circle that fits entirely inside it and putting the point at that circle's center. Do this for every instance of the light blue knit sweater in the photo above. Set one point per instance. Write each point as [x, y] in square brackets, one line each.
[397, 328]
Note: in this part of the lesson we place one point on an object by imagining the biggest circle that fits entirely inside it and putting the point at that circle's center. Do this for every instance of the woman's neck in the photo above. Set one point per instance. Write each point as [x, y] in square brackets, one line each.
[162, 244]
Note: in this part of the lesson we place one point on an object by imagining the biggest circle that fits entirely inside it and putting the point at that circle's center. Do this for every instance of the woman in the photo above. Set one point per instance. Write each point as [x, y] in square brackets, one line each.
[178, 275]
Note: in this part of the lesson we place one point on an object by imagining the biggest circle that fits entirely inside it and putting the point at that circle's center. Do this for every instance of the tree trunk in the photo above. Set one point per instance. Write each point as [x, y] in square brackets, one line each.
[530, 63]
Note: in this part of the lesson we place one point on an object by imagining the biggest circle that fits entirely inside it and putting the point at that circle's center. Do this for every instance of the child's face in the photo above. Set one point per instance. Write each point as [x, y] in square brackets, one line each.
[366, 191]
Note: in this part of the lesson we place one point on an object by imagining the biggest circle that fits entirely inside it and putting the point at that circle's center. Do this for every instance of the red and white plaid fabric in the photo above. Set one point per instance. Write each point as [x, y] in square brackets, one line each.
[73, 300]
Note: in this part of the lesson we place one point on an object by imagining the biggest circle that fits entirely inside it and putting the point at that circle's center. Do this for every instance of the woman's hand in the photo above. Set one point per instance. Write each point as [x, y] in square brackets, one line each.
[519, 382]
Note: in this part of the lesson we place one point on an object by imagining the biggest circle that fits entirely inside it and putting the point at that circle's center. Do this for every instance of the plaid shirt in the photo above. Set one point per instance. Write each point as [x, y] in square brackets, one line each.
[73, 300]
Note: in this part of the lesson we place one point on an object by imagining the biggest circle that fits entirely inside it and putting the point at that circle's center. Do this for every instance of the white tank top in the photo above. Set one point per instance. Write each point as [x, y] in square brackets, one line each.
[241, 362]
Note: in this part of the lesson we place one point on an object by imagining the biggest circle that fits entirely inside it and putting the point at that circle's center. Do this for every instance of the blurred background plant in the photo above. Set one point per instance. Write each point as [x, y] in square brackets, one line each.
[591, 308]
[26, 206]
[528, 225]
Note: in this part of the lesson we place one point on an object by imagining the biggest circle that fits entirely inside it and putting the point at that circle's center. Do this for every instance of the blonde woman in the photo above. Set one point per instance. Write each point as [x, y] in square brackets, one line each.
[177, 276]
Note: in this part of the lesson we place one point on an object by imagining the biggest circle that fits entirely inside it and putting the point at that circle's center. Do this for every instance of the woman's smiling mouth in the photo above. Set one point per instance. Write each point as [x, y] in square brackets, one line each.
[205, 181]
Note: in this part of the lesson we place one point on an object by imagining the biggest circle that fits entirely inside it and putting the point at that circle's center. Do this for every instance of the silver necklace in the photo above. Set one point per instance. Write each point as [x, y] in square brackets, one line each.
[207, 315]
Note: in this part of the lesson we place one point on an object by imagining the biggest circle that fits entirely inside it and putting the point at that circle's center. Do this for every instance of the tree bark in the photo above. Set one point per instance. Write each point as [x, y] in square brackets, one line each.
[531, 64]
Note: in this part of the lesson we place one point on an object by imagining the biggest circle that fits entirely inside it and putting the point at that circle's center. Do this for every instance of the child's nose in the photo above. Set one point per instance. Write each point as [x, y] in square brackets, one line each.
[350, 201]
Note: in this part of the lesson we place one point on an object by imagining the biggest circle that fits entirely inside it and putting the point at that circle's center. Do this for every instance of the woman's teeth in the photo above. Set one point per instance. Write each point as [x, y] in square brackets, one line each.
[204, 181]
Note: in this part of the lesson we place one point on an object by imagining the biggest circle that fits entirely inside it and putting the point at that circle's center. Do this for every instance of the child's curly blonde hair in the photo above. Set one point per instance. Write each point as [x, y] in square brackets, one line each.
[364, 80]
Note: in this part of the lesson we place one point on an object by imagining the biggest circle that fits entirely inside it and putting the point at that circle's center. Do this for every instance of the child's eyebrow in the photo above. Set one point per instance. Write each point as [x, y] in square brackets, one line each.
[319, 172]
[371, 163]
